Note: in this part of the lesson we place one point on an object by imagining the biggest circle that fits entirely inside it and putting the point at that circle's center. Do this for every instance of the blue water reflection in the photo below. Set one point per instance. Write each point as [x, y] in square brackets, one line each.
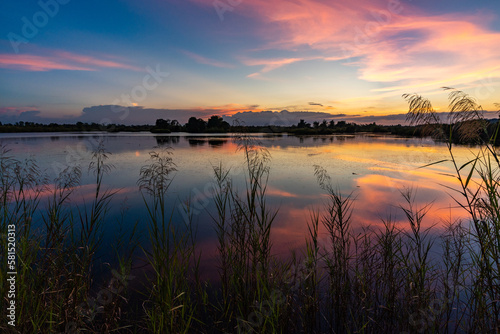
[374, 168]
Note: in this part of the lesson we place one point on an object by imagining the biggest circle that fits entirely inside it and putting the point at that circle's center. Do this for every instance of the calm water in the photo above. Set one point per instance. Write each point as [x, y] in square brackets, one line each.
[374, 168]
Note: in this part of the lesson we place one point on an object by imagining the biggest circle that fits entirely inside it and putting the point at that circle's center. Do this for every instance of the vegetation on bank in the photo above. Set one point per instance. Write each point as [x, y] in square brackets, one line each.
[215, 124]
[382, 280]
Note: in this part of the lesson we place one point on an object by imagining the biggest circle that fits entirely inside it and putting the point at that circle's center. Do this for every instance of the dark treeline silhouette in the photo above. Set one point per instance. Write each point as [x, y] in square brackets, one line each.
[79, 126]
[216, 124]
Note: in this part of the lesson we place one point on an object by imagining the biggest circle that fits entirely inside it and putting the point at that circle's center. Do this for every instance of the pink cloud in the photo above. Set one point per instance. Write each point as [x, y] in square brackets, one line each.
[82, 59]
[36, 63]
[449, 49]
[58, 60]
[269, 64]
[392, 40]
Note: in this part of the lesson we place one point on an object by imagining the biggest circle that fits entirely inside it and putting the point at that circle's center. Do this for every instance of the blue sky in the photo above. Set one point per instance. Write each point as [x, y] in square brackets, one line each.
[64, 60]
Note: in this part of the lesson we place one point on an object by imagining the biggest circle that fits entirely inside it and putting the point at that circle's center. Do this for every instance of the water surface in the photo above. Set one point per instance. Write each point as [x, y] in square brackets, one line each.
[374, 169]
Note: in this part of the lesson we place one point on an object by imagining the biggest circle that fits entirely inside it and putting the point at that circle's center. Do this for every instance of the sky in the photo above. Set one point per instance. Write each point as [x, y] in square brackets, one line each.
[131, 62]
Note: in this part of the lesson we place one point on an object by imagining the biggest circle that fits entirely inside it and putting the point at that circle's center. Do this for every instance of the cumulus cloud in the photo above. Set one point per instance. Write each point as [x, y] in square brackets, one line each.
[280, 118]
[13, 115]
[138, 114]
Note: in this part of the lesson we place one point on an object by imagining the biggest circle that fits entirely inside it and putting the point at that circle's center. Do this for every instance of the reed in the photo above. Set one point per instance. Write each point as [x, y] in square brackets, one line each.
[168, 307]
[478, 195]
[55, 247]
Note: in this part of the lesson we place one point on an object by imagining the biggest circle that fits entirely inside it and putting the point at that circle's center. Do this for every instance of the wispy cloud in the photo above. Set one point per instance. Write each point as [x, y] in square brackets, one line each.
[392, 42]
[206, 61]
[36, 63]
[58, 60]
[83, 59]
[269, 64]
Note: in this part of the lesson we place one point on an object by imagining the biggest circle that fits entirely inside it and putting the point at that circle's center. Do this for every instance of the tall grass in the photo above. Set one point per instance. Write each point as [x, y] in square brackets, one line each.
[243, 226]
[55, 247]
[478, 195]
[168, 308]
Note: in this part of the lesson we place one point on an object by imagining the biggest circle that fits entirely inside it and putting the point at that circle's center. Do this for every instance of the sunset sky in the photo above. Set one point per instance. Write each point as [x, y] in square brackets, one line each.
[68, 60]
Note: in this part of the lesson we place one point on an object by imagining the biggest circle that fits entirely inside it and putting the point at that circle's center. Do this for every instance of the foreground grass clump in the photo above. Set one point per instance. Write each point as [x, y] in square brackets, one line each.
[56, 247]
[373, 280]
[169, 307]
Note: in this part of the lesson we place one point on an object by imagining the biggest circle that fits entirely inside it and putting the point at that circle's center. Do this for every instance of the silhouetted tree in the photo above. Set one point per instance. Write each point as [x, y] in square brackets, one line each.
[216, 122]
[196, 125]
[175, 125]
[303, 124]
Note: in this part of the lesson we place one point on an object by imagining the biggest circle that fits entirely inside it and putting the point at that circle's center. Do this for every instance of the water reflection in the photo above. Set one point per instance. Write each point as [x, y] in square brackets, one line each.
[215, 143]
[196, 142]
[167, 140]
[375, 169]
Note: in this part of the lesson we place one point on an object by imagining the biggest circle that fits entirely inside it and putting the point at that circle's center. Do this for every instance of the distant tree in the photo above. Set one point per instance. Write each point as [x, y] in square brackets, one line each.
[162, 124]
[217, 122]
[341, 123]
[303, 124]
[196, 125]
[331, 124]
[324, 124]
[175, 125]
[315, 124]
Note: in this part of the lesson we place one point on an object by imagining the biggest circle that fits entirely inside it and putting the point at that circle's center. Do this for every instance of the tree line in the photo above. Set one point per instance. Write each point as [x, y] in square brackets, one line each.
[216, 124]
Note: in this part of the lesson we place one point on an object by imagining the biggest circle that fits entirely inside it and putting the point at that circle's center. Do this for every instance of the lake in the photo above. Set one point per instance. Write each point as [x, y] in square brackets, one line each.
[374, 169]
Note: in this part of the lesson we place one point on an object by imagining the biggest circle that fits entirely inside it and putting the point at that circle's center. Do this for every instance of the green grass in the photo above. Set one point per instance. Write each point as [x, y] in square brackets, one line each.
[373, 280]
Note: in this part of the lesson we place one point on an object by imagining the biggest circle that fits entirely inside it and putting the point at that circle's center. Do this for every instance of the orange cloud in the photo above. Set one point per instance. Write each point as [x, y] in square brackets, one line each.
[448, 49]
[227, 109]
[272, 191]
[59, 60]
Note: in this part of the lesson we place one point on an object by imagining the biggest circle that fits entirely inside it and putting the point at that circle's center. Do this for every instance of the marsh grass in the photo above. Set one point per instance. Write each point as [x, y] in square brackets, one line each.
[243, 224]
[478, 195]
[345, 279]
[168, 307]
[55, 247]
